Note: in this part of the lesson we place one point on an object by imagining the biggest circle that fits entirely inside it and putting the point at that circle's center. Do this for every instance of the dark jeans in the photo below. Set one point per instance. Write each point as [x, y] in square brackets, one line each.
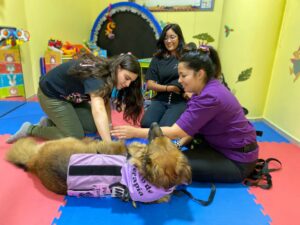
[67, 120]
[208, 165]
[163, 113]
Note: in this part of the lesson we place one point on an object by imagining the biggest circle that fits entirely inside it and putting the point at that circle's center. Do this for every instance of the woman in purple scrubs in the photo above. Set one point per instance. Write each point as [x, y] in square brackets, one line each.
[223, 147]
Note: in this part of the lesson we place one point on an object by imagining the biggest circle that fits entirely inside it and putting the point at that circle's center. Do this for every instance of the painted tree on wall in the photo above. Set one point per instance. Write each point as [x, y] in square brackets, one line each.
[204, 38]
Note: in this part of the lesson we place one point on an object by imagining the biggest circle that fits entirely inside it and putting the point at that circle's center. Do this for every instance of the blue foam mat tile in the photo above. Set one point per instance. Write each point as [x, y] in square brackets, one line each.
[7, 107]
[269, 134]
[12, 124]
[27, 109]
[259, 206]
[232, 205]
[30, 111]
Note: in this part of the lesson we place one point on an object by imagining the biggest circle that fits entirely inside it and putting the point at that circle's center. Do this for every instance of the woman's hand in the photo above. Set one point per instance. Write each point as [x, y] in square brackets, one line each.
[187, 95]
[173, 88]
[124, 132]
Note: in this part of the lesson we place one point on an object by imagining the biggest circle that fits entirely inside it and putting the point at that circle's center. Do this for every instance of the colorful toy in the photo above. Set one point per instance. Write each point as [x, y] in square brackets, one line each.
[4, 34]
[73, 49]
[95, 49]
[10, 37]
[54, 44]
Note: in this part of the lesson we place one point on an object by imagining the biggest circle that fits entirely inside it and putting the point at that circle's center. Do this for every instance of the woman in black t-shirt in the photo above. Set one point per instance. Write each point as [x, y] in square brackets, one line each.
[76, 97]
[162, 77]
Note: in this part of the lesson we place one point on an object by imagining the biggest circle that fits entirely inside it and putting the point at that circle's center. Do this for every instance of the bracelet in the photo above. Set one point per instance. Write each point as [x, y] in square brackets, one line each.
[166, 88]
[177, 143]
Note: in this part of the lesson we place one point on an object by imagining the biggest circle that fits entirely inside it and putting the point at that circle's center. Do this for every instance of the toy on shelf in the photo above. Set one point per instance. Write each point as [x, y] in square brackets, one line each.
[55, 45]
[95, 49]
[11, 37]
[59, 52]
[71, 50]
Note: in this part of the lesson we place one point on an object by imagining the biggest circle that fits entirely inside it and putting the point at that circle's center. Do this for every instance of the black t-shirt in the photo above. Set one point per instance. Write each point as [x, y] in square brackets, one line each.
[164, 71]
[59, 84]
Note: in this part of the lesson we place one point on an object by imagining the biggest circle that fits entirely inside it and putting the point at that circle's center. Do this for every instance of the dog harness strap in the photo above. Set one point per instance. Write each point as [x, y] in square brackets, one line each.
[261, 177]
[109, 170]
[92, 174]
[200, 201]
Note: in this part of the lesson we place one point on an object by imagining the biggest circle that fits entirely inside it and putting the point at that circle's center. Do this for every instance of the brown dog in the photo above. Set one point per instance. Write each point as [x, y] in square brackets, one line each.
[159, 162]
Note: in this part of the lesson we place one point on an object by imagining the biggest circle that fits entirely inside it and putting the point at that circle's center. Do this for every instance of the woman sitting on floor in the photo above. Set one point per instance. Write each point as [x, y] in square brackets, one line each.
[227, 150]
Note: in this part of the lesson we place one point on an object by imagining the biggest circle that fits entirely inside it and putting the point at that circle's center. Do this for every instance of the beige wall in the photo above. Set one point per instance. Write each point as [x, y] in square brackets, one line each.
[252, 44]
[282, 107]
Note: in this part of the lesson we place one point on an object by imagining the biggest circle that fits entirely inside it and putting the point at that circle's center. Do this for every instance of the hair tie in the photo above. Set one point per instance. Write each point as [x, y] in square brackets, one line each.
[204, 48]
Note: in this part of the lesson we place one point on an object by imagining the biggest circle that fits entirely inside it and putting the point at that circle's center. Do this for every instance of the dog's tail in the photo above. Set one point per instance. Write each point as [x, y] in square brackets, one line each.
[22, 151]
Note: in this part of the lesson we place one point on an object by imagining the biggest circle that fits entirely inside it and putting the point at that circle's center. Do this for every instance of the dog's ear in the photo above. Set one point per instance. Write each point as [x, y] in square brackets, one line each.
[157, 176]
[154, 132]
[137, 152]
[183, 171]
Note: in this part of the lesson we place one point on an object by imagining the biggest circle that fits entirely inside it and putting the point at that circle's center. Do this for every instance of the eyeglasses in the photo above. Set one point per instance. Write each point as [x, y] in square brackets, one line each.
[172, 38]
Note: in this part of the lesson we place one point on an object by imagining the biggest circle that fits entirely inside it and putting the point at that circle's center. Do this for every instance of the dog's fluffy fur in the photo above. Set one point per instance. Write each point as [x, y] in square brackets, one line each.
[160, 162]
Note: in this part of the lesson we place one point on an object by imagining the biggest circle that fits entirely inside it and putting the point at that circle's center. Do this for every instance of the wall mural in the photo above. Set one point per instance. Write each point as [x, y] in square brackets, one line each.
[243, 76]
[126, 27]
[228, 30]
[204, 38]
[295, 68]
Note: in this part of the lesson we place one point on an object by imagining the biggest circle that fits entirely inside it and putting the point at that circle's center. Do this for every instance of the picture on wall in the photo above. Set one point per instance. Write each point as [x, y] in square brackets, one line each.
[177, 5]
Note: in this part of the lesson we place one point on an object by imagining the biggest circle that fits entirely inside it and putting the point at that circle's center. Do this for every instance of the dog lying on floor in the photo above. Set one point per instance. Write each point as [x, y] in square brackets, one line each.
[145, 173]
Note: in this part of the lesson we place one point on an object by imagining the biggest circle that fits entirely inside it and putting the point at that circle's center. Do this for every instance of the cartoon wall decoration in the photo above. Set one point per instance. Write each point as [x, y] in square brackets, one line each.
[111, 25]
[228, 30]
[243, 76]
[204, 38]
[136, 30]
[295, 68]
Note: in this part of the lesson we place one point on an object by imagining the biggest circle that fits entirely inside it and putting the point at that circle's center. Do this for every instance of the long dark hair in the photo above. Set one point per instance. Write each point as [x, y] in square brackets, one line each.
[161, 47]
[204, 57]
[131, 98]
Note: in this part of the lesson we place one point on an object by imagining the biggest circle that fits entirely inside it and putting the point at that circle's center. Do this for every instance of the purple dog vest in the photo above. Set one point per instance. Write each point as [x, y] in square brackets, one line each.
[92, 174]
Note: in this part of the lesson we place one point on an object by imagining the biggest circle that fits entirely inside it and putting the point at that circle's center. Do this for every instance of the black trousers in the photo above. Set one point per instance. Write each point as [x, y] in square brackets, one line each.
[163, 113]
[208, 165]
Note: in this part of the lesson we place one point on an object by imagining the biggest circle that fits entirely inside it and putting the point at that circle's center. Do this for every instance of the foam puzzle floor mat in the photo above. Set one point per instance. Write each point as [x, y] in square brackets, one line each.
[232, 205]
[25, 201]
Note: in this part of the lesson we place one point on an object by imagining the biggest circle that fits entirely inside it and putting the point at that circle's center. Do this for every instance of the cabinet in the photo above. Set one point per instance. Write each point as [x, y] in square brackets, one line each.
[11, 75]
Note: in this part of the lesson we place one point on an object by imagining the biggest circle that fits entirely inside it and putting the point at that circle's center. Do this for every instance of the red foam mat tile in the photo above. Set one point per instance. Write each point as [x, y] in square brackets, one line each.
[281, 202]
[23, 198]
